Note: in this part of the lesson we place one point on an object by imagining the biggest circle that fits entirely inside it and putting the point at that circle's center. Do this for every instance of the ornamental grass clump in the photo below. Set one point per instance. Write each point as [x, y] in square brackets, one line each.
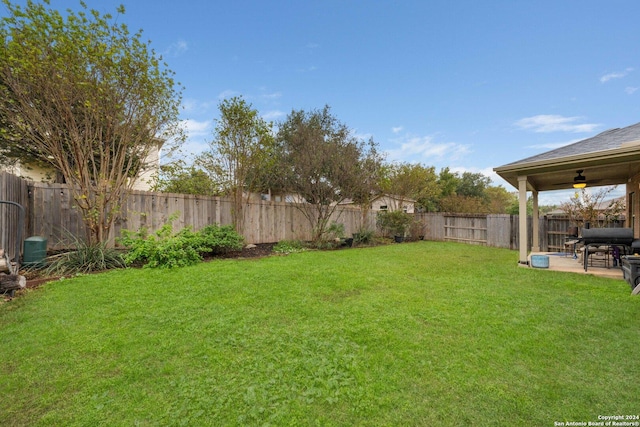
[85, 258]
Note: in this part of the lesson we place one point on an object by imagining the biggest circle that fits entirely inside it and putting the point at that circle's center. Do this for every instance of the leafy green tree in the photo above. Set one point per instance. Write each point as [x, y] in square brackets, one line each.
[320, 161]
[240, 155]
[412, 181]
[83, 96]
[466, 193]
[179, 178]
[370, 172]
[473, 185]
[462, 204]
[500, 200]
[448, 182]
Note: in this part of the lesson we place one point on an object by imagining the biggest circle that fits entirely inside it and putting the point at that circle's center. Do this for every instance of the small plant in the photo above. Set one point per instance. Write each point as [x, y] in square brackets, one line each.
[364, 236]
[289, 246]
[334, 231]
[85, 258]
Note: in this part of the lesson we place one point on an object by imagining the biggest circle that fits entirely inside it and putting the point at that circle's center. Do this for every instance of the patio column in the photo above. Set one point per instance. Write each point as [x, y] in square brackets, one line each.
[522, 222]
[535, 244]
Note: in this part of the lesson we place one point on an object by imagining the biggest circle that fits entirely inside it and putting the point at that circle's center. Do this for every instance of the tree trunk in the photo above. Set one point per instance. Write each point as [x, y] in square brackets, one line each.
[11, 282]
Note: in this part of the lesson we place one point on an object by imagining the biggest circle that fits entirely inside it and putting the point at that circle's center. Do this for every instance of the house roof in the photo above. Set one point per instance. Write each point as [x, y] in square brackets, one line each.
[608, 158]
[607, 140]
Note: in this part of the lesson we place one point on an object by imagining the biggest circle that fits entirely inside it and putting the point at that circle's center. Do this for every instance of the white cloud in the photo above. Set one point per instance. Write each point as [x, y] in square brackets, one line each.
[193, 105]
[273, 115]
[615, 75]
[630, 90]
[229, 93]
[553, 123]
[412, 148]
[177, 48]
[274, 96]
[397, 129]
[197, 134]
[196, 128]
[361, 136]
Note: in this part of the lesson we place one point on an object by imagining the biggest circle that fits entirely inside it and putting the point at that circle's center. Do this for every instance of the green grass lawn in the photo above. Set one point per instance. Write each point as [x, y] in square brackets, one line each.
[413, 334]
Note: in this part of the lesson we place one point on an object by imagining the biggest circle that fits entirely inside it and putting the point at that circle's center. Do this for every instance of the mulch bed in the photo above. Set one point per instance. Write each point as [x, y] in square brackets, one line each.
[260, 250]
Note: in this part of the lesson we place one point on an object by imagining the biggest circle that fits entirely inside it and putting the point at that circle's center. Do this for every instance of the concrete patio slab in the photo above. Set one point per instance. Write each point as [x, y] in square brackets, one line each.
[559, 261]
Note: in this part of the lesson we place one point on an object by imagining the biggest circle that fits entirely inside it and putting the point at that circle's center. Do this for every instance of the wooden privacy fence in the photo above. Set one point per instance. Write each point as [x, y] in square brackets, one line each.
[476, 229]
[51, 214]
[54, 216]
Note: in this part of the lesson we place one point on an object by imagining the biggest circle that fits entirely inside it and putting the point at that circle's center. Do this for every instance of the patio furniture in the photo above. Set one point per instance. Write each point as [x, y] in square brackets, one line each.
[605, 237]
[631, 270]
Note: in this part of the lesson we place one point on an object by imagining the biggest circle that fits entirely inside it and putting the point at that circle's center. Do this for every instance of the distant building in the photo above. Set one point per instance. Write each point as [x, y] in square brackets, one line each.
[143, 182]
[387, 202]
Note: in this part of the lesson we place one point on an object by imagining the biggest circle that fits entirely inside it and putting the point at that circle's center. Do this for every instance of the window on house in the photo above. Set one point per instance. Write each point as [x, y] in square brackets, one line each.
[383, 207]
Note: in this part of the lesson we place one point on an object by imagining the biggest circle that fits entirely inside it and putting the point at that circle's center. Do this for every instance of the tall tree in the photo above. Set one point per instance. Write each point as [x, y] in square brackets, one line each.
[473, 185]
[239, 154]
[500, 200]
[322, 162]
[370, 172]
[411, 181]
[82, 95]
[178, 177]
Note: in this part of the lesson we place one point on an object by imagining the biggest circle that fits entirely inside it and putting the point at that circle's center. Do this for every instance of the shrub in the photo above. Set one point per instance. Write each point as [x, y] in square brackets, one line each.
[363, 236]
[417, 229]
[85, 258]
[395, 222]
[220, 239]
[166, 249]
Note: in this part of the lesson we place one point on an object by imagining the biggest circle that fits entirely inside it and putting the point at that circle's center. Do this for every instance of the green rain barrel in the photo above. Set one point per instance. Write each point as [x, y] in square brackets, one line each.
[35, 251]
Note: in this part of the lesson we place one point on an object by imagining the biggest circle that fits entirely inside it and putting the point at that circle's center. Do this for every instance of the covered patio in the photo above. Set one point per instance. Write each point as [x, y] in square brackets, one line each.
[609, 158]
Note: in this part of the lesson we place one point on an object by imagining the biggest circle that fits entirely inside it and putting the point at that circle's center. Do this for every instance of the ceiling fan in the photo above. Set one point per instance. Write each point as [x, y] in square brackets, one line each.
[579, 181]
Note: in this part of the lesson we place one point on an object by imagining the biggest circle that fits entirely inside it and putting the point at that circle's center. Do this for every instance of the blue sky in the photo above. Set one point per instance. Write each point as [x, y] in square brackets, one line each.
[467, 84]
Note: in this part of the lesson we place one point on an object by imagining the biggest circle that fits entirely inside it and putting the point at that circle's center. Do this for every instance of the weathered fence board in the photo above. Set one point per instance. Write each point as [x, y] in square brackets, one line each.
[12, 189]
[499, 231]
[470, 229]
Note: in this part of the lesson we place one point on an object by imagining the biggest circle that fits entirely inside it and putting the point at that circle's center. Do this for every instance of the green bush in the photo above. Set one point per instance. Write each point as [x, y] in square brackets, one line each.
[167, 250]
[220, 239]
[394, 222]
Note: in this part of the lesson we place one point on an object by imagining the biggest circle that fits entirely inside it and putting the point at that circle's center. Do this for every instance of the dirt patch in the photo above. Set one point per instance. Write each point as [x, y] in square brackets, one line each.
[260, 250]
